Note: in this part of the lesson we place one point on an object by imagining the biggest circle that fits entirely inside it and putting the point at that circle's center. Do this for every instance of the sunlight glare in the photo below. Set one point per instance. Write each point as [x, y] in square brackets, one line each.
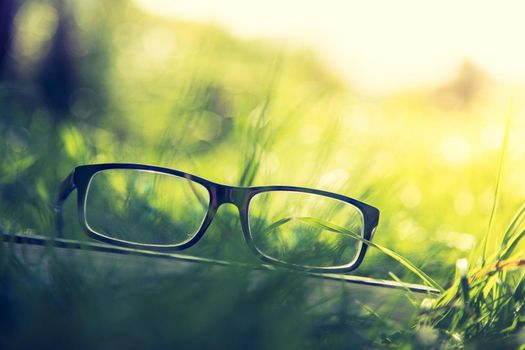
[378, 45]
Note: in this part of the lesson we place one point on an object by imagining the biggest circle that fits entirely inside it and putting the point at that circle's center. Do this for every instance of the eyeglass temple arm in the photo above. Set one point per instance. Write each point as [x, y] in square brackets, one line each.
[66, 187]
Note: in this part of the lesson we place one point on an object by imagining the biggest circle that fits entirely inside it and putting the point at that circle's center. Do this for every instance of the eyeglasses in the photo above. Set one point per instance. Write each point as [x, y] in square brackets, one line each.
[154, 208]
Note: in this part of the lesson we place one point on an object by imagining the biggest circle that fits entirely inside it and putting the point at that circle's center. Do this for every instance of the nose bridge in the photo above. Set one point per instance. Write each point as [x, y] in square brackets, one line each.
[229, 194]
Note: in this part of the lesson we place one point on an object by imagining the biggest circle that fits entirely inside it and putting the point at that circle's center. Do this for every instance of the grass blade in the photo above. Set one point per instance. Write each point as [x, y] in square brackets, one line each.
[498, 183]
[509, 248]
[338, 229]
[510, 239]
[518, 218]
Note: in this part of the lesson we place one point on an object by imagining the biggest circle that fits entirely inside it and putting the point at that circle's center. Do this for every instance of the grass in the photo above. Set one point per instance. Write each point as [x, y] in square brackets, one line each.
[327, 226]
[484, 305]
[242, 112]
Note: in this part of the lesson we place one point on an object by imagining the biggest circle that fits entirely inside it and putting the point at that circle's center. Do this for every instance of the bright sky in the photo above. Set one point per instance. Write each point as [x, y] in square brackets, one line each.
[379, 45]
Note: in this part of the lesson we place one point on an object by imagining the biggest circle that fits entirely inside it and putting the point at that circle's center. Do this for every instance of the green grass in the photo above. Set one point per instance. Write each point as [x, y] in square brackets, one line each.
[484, 305]
[245, 112]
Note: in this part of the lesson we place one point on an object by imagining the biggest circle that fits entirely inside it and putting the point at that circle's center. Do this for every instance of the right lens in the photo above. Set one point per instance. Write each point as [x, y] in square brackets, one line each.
[305, 229]
[145, 207]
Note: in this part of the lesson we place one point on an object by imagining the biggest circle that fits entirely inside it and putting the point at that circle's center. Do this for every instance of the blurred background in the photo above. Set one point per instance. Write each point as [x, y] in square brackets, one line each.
[401, 105]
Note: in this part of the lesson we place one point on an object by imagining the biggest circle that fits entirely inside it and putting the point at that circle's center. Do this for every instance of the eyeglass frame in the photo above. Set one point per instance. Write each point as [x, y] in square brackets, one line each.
[219, 194]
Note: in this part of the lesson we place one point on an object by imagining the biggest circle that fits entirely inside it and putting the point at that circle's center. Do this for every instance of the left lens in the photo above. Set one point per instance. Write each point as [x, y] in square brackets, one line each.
[305, 229]
[145, 207]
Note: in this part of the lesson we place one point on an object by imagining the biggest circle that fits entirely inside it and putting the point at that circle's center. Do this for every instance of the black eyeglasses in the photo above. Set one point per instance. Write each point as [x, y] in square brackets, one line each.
[154, 208]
